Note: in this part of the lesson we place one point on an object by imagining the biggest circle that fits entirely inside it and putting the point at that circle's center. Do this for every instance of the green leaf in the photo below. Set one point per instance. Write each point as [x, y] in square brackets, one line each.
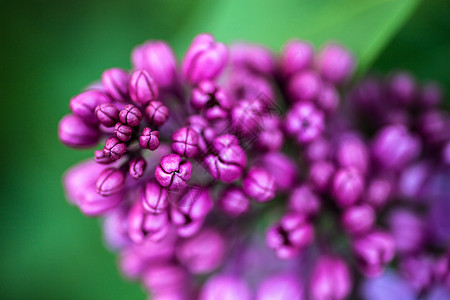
[365, 26]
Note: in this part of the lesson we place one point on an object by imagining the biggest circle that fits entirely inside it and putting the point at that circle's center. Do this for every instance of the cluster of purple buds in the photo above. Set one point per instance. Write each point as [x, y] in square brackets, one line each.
[196, 157]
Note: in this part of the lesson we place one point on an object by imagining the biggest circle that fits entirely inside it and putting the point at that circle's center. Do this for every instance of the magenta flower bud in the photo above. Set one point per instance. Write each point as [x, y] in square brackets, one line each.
[245, 85]
[280, 287]
[348, 186]
[394, 147]
[378, 192]
[190, 211]
[358, 219]
[225, 287]
[159, 60]
[418, 271]
[328, 99]
[234, 202]
[402, 88]
[433, 126]
[205, 59]
[446, 154]
[185, 140]
[247, 116]
[115, 81]
[166, 279]
[296, 56]
[143, 88]
[202, 253]
[107, 114]
[408, 230]
[413, 179]
[230, 160]
[147, 226]
[73, 132]
[304, 201]
[320, 175]
[331, 279]
[259, 184]
[373, 251]
[270, 138]
[172, 172]
[290, 236]
[352, 152]
[304, 122]
[336, 64]
[136, 167]
[157, 113]
[254, 58]
[210, 97]
[114, 148]
[149, 139]
[304, 86]
[130, 115]
[110, 181]
[430, 95]
[102, 158]
[318, 150]
[282, 167]
[388, 286]
[123, 132]
[154, 198]
[114, 228]
[84, 104]
[80, 186]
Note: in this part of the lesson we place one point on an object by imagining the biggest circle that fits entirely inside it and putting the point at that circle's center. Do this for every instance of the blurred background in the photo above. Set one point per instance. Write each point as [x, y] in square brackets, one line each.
[52, 49]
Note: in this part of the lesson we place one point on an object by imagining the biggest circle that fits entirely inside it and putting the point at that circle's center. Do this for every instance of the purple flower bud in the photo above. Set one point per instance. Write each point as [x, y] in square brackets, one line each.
[80, 185]
[282, 167]
[348, 186]
[143, 88]
[130, 115]
[230, 160]
[234, 202]
[378, 192]
[280, 287]
[320, 175]
[225, 287]
[143, 225]
[166, 279]
[288, 237]
[190, 211]
[172, 172]
[304, 122]
[408, 230]
[336, 64]
[110, 181]
[107, 114]
[328, 99]
[114, 148]
[247, 115]
[446, 154]
[418, 271]
[413, 179]
[73, 132]
[304, 86]
[259, 184]
[149, 139]
[157, 113]
[302, 200]
[254, 58]
[115, 231]
[430, 95]
[202, 253]
[102, 158]
[318, 150]
[331, 279]
[84, 104]
[210, 97]
[245, 85]
[185, 141]
[394, 147]
[205, 59]
[358, 219]
[115, 81]
[401, 88]
[388, 286]
[296, 56]
[159, 60]
[154, 198]
[123, 132]
[373, 251]
[136, 167]
[352, 152]
[433, 125]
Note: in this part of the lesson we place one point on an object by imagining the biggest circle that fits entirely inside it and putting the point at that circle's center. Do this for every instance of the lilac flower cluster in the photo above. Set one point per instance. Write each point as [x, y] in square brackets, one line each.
[196, 157]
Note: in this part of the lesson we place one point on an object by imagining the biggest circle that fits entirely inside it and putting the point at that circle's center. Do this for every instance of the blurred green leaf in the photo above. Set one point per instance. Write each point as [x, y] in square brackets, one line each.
[364, 26]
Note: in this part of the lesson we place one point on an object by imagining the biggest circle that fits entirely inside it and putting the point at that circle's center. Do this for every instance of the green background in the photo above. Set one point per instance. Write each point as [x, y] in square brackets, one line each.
[52, 49]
